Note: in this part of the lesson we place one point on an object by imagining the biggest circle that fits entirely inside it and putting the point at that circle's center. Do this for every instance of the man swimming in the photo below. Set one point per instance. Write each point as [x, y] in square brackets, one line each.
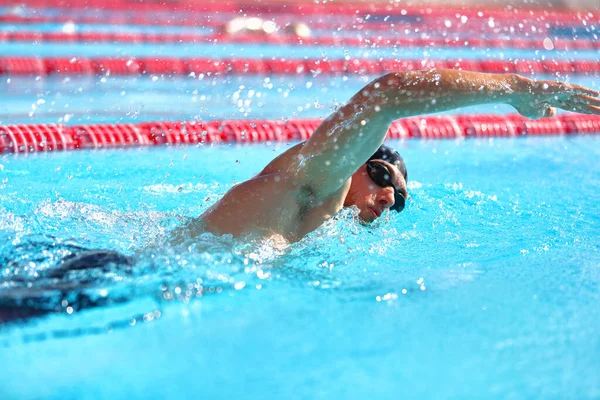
[343, 163]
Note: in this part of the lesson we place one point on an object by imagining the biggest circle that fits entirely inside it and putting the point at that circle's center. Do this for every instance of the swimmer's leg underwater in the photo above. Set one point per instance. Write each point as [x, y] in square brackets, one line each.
[21, 303]
[89, 259]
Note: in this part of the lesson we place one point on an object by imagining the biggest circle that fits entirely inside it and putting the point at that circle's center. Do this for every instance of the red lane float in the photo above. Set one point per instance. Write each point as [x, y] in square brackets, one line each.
[36, 138]
[361, 11]
[454, 42]
[210, 67]
[354, 30]
[302, 8]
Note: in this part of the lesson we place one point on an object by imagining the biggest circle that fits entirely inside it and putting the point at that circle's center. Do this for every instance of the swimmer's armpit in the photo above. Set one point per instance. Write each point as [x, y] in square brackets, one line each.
[349, 136]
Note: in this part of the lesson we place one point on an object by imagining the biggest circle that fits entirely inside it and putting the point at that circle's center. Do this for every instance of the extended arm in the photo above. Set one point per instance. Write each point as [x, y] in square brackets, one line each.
[348, 137]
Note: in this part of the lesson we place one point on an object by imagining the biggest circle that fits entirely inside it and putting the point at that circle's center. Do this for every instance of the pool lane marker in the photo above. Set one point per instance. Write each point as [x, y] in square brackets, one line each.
[370, 16]
[52, 137]
[195, 67]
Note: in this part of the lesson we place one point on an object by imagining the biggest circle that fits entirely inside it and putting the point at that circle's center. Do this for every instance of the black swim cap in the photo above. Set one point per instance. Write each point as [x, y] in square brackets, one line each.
[390, 155]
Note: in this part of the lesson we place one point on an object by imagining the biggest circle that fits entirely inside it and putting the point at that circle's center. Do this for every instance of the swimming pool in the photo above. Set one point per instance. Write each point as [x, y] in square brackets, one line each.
[486, 286]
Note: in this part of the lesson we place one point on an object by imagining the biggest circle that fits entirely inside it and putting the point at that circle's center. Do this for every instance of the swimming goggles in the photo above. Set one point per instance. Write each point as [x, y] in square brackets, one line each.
[382, 176]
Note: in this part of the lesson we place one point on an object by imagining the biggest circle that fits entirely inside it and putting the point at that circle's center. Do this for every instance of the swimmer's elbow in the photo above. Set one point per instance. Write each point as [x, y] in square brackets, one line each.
[396, 84]
[390, 80]
[400, 79]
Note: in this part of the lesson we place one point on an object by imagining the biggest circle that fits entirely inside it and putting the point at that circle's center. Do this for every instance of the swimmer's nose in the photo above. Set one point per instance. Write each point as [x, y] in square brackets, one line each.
[386, 198]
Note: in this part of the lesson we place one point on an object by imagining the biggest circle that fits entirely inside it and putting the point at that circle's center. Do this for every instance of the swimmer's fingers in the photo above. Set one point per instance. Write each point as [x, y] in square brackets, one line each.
[587, 109]
[579, 107]
[589, 100]
[582, 103]
[574, 90]
[563, 90]
[581, 90]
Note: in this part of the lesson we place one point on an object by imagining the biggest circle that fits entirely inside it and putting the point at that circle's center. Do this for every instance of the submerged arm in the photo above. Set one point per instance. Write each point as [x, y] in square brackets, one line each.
[348, 137]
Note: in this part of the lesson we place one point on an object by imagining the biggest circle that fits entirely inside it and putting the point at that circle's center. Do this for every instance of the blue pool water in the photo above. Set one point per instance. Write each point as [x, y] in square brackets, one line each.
[562, 32]
[486, 287]
[224, 50]
[107, 28]
[81, 100]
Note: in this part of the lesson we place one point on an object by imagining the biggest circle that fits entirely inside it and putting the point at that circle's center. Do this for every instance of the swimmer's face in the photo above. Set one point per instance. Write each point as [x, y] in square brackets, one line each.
[371, 198]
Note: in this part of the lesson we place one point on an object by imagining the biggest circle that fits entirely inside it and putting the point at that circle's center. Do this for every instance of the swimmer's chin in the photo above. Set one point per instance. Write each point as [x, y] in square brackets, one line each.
[369, 223]
[367, 217]
[372, 221]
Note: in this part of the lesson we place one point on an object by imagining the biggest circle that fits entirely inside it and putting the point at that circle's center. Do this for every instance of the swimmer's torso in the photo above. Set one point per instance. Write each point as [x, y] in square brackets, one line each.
[272, 204]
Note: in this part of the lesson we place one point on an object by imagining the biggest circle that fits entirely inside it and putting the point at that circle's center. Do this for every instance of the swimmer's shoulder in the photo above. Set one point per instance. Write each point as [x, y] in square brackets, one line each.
[283, 161]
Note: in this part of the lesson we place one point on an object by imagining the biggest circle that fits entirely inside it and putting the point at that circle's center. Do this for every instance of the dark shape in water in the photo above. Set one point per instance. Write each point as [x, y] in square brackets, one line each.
[25, 302]
[88, 260]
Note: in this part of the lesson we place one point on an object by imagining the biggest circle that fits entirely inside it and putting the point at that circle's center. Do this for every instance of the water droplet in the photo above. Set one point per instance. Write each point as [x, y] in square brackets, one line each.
[548, 44]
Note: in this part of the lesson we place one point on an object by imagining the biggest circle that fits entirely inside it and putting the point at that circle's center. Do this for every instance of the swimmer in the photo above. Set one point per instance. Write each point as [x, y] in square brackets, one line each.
[344, 164]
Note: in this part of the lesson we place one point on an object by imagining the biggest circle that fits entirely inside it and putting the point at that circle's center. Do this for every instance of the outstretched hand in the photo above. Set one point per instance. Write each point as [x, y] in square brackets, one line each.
[541, 99]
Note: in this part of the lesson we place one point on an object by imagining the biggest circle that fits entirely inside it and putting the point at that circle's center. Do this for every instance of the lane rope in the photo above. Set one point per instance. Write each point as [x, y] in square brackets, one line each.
[83, 66]
[362, 10]
[56, 137]
[509, 28]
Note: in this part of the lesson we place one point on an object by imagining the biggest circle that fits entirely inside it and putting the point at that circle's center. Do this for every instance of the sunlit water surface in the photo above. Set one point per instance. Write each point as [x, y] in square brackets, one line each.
[486, 286]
